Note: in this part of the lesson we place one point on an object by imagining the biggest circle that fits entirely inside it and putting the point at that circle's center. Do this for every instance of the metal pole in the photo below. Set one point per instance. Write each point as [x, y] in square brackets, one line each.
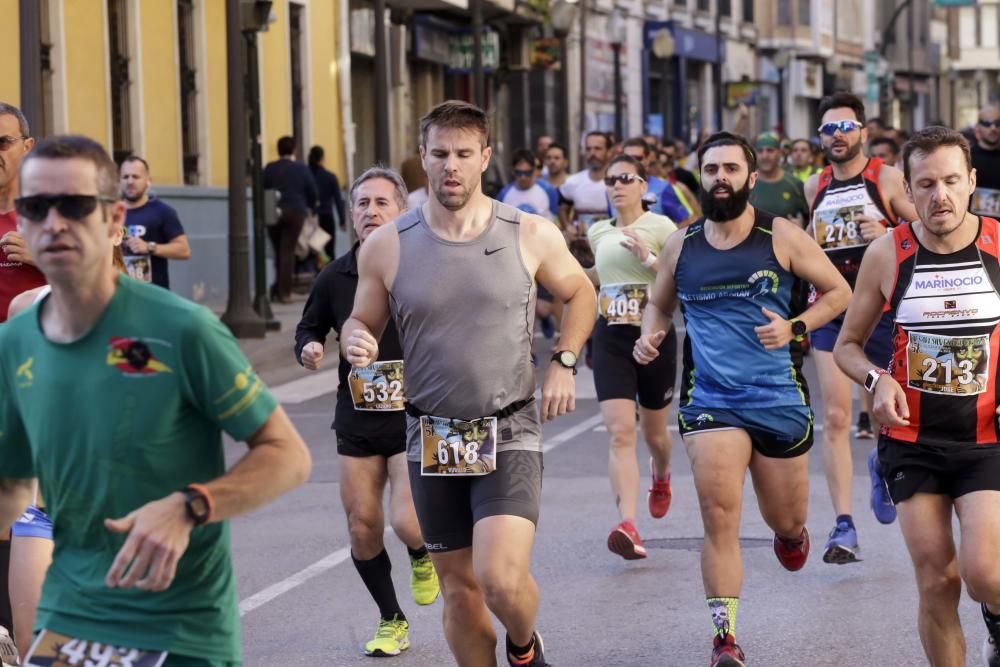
[381, 87]
[261, 304]
[617, 60]
[912, 93]
[478, 80]
[583, 75]
[31, 63]
[239, 316]
[719, 86]
[781, 101]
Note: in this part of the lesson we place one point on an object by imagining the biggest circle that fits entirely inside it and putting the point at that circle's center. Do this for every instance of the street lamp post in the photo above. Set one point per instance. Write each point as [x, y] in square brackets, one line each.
[562, 15]
[616, 34]
[381, 91]
[239, 316]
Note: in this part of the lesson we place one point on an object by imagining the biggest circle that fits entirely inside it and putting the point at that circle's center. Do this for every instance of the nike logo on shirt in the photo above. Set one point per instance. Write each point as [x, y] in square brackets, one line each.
[489, 252]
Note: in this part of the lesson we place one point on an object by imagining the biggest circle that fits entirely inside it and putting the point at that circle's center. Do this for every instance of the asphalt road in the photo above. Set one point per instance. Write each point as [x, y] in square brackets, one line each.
[302, 603]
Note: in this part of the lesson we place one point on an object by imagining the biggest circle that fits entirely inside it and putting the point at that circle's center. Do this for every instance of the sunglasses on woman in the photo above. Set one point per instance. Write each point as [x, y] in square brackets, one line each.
[72, 207]
[845, 126]
[624, 179]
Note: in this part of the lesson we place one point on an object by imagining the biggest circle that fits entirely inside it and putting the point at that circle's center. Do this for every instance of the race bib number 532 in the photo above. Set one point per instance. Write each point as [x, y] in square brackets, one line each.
[957, 366]
[52, 649]
[456, 447]
[378, 388]
[623, 303]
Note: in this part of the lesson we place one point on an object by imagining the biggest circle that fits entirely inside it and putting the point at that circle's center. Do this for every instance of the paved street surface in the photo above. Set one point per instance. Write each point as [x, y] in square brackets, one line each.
[303, 604]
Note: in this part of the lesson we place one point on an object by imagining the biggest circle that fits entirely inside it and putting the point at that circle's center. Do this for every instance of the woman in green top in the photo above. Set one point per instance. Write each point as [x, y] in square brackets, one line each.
[625, 249]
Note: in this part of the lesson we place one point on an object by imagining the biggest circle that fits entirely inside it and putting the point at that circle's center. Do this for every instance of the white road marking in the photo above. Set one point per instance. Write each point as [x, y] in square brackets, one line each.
[307, 388]
[587, 424]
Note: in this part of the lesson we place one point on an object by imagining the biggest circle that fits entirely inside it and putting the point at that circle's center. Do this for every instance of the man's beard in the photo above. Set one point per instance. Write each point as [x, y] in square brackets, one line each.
[453, 202]
[986, 142]
[133, 198]
[595, 164]
[724, 210]
[852, 152]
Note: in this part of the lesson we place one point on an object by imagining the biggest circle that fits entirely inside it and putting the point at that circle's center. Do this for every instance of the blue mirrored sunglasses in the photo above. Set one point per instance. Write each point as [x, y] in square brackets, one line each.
[845, 126]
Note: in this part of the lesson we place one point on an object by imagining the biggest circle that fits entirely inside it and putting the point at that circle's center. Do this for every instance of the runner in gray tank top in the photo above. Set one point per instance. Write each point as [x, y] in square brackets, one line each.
[460, 275]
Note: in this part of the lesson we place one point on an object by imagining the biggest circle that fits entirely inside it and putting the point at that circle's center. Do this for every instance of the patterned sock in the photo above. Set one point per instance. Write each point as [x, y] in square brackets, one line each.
[723, 615]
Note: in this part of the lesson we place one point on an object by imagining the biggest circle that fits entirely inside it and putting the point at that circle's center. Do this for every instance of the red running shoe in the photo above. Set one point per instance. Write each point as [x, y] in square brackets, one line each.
[659, 495]
[727, 653]
[792, 554]
[624, 540]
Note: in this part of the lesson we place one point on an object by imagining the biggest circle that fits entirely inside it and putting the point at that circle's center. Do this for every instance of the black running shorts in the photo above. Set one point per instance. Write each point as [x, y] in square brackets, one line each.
[448, 507]
[910, 468]
[618, 375]
[360, 446]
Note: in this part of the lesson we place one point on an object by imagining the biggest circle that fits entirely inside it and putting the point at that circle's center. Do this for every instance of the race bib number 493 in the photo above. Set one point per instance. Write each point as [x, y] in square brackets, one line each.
[455, 447]
[948, 365]
[623, 303]
[52, 649]
[378, 388]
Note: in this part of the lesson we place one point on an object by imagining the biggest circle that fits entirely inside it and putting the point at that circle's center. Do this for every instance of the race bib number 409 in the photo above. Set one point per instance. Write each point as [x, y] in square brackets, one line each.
[378, 388]
[623, 303]
[456, 447]
[52, 649]
[948, 365]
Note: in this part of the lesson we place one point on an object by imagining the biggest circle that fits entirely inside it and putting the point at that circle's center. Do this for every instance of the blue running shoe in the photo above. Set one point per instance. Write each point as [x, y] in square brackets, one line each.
[842, 547]
[881, 504]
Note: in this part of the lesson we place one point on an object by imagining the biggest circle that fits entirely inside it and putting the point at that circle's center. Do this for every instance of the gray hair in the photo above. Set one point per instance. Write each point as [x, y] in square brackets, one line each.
[391, 175]
[22, 122]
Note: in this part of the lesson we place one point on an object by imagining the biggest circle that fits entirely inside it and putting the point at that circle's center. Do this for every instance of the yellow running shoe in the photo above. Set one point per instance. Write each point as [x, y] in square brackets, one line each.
[423, 580]
[391, 638]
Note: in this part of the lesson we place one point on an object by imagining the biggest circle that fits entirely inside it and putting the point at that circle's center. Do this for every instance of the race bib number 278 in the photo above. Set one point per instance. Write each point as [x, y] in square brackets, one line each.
[52, 649]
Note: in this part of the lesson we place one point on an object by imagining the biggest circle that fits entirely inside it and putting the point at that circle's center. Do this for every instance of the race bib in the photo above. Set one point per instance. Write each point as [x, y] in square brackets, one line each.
[837, 228]
[948, 365]
[623, 303]
[986, 202]
[378, 388]
[139, 268]
[456, 447]
[52, 649]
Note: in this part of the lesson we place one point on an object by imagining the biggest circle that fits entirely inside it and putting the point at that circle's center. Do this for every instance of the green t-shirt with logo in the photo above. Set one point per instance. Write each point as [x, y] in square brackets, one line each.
[128, 414]
[784, 198]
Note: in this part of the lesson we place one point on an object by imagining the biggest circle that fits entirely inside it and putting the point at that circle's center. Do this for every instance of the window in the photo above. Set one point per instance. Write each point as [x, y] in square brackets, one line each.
[726, 7]
[295, 23]
[189, 90]
[704, 5]
[804, 11]
[121, 84]
[784, 12]
[748, 11]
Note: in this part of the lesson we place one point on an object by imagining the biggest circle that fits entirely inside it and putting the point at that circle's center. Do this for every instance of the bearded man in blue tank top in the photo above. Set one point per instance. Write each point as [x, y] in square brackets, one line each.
[744, 402]
[458, 277]
[853, 202]
[938, 279]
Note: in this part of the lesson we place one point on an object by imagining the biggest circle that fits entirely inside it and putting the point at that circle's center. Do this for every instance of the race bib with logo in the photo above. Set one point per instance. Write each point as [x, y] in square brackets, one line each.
[456, 447]
[623, 303]
[139, 268]
[948, 365]
[986, 202]
[378, 388]
[52, 649]
[838, 228]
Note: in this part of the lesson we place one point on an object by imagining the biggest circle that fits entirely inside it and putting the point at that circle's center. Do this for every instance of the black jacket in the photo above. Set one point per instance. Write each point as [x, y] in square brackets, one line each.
[328, 307]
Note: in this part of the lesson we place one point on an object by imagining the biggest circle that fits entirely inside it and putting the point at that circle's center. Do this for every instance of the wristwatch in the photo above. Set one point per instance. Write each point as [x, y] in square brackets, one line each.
[565, 358]
[197, 505]
[872, 378]
[152, 247]
[798, 330]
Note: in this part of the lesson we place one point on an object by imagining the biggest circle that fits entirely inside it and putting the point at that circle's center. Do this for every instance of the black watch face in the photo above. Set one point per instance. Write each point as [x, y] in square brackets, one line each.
[798, 327]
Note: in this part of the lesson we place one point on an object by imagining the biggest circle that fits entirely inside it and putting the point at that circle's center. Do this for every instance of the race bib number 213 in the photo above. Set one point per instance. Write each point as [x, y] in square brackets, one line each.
[52, 649]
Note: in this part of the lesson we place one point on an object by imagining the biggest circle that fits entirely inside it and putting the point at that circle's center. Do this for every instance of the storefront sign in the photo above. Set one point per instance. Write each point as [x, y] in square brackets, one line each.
[461, 51]
[546, 53]
[687, 43]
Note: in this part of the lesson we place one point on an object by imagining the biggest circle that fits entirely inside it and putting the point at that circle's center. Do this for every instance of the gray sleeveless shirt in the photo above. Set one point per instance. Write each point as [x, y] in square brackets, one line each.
[465, 313]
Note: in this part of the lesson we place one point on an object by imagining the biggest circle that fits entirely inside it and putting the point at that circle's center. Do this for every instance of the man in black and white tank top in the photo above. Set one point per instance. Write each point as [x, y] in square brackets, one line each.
[853, 202]
[938, 396]
[458, 275]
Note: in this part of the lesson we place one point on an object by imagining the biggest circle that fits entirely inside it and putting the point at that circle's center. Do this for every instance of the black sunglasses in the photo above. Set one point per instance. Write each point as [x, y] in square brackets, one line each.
[72, 207]
[6, 141]
[624, 179]
[989, 123]
[520, 173]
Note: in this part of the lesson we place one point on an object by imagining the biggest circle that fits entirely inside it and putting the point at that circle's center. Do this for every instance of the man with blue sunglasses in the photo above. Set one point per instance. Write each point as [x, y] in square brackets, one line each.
[854, 201]
[986, 160]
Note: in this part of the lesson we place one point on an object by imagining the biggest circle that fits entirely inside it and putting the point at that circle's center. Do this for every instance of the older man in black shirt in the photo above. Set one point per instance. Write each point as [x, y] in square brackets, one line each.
[298, 196]
[369, 420]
